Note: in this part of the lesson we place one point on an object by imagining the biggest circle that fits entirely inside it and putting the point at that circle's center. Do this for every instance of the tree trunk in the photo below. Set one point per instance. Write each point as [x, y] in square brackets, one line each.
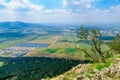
[102, 57]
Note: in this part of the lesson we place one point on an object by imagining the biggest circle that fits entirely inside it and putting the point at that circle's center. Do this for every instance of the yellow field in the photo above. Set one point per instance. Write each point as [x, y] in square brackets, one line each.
[50, 40]
[62, 45]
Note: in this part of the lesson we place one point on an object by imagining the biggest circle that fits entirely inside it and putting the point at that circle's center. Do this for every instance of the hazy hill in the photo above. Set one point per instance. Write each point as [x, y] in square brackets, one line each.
[20, 24]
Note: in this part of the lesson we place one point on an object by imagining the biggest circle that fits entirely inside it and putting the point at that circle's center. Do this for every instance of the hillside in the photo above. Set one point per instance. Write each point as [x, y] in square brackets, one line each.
[96, 71]
[34, 68]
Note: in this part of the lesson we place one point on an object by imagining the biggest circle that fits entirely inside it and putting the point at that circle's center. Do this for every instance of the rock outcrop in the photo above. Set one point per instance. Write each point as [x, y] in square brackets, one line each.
[110, 73]
[82, 72]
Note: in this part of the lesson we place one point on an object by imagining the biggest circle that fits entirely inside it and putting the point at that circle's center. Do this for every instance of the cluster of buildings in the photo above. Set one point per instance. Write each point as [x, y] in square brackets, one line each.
[110, 32]
[21, 49]
[16, 51]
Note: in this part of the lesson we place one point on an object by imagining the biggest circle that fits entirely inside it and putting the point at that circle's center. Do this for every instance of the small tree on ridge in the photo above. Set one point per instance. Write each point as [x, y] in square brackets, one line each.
[92, 37]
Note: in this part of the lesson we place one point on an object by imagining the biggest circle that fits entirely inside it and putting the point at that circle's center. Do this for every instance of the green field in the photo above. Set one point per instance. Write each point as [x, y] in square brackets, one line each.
[1, 64]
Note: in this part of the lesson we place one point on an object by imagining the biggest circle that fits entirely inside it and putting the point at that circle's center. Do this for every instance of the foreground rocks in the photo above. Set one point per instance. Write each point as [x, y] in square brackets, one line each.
[83, 72]
[73, 74]
[111, 73]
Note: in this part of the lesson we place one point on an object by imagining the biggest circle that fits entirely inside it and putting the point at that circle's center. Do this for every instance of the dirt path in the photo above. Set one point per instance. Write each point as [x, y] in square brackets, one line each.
[56, 39]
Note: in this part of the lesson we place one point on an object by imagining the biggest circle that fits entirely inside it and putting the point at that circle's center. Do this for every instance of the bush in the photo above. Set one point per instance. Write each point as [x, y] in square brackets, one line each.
[103, 65]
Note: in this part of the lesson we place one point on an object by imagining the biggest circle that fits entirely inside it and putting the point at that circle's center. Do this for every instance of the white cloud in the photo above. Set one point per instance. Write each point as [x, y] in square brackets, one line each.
[14, 4]
[21, 6]
[110, 15]
[79, 4]
[2, 1]
[2, 4]
[74, 11]
[33, 6]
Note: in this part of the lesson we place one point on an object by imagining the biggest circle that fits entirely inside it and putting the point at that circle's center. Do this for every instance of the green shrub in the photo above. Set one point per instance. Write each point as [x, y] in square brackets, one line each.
[103, 65]
[108, 54]
[89, 76]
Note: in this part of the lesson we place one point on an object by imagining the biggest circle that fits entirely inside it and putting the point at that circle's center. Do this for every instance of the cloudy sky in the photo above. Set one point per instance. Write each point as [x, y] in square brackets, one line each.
[60, 11]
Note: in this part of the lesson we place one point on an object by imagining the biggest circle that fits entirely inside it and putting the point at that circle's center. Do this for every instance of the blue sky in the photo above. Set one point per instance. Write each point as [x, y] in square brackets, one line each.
[104, 4]
[49, 4]
[60, 11]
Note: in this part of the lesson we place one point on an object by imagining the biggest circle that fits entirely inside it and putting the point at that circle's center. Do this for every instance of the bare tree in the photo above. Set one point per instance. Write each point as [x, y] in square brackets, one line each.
[92, 38]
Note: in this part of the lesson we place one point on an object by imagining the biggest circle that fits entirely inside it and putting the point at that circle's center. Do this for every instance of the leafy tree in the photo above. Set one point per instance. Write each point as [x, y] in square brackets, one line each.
[115, 44]
[92, 38]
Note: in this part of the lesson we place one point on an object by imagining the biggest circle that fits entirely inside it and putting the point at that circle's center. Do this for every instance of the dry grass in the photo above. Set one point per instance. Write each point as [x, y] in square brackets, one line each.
[49, 40]
[62, 45]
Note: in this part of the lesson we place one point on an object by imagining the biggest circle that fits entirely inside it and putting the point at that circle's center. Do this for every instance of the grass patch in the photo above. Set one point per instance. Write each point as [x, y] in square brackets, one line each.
[70, 50]
[100, 66]
[89, 76]
[51, 50]
[1, 64]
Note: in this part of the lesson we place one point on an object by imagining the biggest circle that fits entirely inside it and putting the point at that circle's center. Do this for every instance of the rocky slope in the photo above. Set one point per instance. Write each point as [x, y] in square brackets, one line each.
[88, 72]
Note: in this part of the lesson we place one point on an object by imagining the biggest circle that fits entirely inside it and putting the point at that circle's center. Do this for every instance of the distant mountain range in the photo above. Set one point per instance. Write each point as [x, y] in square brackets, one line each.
[19, 24]
[29, 27]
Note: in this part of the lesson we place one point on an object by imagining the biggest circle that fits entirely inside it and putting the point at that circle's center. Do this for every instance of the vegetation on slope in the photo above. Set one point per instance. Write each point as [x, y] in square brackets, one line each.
[34, 68]
[115, 44]
[108, 70]
[95, 71]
